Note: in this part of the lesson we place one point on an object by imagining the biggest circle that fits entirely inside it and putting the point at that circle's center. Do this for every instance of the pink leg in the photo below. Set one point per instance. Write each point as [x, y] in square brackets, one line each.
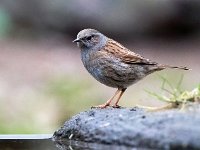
[117, 101]
[107, 102]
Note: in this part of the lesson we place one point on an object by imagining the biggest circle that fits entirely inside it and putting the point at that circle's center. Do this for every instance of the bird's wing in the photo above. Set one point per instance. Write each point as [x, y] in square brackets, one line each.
[125, 55]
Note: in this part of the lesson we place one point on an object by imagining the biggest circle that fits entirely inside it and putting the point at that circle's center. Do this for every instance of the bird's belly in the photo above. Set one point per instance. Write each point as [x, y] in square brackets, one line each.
[113, 73]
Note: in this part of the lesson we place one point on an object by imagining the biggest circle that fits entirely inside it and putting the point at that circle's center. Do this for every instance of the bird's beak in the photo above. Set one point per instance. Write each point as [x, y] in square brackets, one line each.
[76, 40]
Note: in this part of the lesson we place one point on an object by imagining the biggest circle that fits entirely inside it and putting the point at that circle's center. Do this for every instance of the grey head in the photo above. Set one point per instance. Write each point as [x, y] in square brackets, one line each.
[90, 39]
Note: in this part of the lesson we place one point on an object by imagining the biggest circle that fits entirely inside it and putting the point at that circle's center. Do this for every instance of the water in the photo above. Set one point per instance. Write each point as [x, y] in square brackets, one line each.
[44, 142]
[26, 142]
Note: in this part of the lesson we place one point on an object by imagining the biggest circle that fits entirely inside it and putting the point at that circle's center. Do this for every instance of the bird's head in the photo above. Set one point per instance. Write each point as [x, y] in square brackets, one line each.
[90, 39]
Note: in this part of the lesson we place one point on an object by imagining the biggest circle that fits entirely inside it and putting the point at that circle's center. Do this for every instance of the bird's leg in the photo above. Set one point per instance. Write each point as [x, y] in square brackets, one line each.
[107, 103]
[120, 95]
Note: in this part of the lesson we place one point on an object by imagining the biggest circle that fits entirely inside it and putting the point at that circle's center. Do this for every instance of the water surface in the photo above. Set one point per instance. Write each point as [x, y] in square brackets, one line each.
[44, 142]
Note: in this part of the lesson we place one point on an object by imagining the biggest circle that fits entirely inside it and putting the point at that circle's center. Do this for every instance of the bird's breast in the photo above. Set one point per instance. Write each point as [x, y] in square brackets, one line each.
[91, 63]
[96, 64]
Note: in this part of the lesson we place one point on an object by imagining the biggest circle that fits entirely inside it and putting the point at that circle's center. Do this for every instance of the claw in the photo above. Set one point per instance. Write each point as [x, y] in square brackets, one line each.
[116, 106]
[101, 106]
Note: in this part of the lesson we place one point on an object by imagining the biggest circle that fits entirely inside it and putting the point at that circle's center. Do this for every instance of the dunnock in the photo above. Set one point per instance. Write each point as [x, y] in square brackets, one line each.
[112, 64]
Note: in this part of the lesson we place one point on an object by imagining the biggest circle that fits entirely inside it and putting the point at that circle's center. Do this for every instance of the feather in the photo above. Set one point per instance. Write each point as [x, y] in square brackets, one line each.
[125, 55]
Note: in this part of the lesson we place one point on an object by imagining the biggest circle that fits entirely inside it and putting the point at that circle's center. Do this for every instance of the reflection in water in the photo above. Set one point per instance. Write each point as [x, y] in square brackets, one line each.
[77, 145]
[44, 142]
[27, 144]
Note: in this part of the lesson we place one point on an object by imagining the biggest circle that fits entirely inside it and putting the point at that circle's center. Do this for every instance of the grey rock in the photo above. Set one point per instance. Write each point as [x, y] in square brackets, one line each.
[170, 129]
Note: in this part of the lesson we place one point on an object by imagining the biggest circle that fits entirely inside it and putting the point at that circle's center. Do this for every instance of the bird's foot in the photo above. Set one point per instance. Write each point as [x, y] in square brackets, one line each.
[116, 106]
[101, 106]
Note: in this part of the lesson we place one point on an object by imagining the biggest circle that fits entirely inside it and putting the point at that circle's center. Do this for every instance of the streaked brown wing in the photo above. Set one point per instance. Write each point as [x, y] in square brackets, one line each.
[114, 48]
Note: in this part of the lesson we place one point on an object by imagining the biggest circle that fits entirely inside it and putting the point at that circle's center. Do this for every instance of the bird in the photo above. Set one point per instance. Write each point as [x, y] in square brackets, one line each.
[112, 64]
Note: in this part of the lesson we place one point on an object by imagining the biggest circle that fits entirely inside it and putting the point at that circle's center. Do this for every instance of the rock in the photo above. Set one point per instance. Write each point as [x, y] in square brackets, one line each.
[170, 129]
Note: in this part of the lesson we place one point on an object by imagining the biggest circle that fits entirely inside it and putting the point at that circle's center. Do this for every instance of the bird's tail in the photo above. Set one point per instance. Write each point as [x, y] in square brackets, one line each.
[174, 67]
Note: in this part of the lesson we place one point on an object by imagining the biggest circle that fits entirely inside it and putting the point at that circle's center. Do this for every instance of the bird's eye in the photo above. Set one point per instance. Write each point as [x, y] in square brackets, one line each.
[89, 37]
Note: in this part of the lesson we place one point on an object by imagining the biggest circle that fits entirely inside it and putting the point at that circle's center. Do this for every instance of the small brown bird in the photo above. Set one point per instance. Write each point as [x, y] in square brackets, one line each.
[112, 64]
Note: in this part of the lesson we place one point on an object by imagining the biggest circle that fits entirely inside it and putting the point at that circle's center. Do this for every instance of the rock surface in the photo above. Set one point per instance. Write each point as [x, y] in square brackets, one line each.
[170, 129]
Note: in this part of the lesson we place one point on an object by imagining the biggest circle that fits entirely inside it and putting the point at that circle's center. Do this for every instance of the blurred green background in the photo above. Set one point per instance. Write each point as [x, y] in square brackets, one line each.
[42, 79]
